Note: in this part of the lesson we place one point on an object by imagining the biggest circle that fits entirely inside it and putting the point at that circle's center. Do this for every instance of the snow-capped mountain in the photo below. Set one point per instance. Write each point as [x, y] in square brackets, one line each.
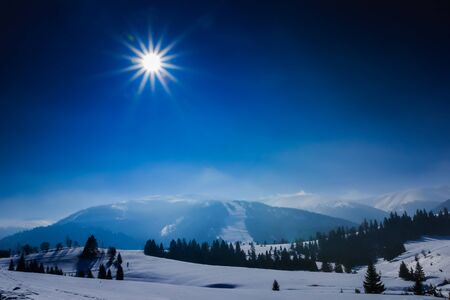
[341, 208]
[413, 199]
[129, 224]
[352, 211]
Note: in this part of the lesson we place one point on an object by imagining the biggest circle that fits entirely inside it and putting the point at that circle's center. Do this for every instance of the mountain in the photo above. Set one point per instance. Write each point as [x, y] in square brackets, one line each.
[352, 211]
[5, 231]
[128, 225]
[440, 207]
[413, 199]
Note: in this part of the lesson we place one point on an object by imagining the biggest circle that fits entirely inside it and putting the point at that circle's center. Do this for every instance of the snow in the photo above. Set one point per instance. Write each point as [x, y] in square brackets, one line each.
[157, 278]
[436, 262]
[235, 229]
[398, 201]
[166, 230]
[52, 287]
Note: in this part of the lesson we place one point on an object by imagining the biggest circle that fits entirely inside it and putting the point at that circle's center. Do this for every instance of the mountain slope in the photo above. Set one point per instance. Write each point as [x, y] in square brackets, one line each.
[411, 200]
[440, 207]
[128, 225]
[352, 211]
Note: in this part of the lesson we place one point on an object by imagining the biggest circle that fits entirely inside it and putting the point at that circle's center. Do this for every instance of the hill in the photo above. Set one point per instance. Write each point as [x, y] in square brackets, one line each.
[150, 277]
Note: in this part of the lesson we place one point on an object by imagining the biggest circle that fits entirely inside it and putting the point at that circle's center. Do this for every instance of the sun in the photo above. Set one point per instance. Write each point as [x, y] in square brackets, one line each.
[151, 63]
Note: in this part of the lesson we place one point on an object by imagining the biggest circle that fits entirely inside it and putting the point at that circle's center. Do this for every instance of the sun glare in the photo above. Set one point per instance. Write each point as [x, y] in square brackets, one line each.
[151, 63]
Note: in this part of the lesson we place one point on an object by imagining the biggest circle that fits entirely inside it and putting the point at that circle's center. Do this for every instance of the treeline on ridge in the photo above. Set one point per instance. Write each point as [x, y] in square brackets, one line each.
[346, 247]
[225, 254]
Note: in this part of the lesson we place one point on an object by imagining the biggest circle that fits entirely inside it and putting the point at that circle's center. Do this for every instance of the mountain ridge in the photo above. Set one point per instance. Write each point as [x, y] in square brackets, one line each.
[129, 224]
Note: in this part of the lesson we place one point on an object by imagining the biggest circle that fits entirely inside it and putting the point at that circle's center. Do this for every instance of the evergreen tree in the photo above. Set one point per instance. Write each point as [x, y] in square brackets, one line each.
[108, 275]
[119, 273]
[419, 275]
[403, 272]
[101, 272]
[11, 265]
[372, 282]
[275, 286]
[89, 274]
[119, 259]
[418, 288]
[80, 273]
[21, 266]
[326, 267]
[338, 268]
[41, 268]
[91, 248]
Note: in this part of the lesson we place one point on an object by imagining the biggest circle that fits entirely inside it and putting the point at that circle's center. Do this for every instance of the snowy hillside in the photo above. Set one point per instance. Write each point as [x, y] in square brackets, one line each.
[411, 200]
[15, 285]
[157, 278]
[433, 255]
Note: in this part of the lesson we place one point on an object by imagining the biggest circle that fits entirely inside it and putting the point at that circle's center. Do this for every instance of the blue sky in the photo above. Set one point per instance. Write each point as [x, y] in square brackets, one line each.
[330, 98]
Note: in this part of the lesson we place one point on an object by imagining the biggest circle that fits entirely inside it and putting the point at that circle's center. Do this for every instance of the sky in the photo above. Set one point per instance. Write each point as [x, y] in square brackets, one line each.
[347, 99]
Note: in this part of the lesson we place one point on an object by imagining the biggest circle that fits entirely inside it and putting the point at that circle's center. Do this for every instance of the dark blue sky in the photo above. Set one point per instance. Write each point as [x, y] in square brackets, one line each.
[331, 97]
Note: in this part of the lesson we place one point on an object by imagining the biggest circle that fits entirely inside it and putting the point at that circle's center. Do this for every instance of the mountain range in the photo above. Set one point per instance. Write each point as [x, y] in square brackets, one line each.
[413, 199]
[128, 225]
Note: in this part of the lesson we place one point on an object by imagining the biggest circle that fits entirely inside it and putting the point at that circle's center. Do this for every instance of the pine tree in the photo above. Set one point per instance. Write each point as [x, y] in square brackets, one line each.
[419, 275]
[21, 266]
[11, 265]
[418, 288]
[119, 273]
[108, 275]
[80, 273]
[275, 286]
[403, 272]
[372, 282]
[101, 272]
[338, 268]
[326, 267]
[119, 259]
[91, 248]
[89, 274]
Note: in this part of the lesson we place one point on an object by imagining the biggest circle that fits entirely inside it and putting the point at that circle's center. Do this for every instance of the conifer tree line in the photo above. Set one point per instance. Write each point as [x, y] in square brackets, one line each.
[227, 254]
[346, 247]
[371, 240]
[32, 266]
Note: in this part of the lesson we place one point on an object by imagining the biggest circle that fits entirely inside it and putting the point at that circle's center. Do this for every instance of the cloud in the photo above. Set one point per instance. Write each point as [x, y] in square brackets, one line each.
[26, 224]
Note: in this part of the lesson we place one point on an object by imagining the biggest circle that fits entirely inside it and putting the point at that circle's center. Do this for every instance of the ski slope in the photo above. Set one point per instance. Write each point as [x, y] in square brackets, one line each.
[157, 278]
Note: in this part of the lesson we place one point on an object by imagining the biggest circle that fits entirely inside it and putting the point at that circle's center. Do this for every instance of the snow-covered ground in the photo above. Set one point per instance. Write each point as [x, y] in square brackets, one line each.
[433, 255]
[157, 278]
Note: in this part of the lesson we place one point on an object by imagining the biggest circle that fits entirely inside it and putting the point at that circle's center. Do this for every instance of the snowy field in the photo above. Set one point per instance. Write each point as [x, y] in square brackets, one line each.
[157, 278]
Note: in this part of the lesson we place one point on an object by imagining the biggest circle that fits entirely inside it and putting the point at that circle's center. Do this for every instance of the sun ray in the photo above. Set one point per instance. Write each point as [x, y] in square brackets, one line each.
[151, 63]
[169, 75]
[143, 82]
[137, 74]
[163, 83]
[170, 66]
